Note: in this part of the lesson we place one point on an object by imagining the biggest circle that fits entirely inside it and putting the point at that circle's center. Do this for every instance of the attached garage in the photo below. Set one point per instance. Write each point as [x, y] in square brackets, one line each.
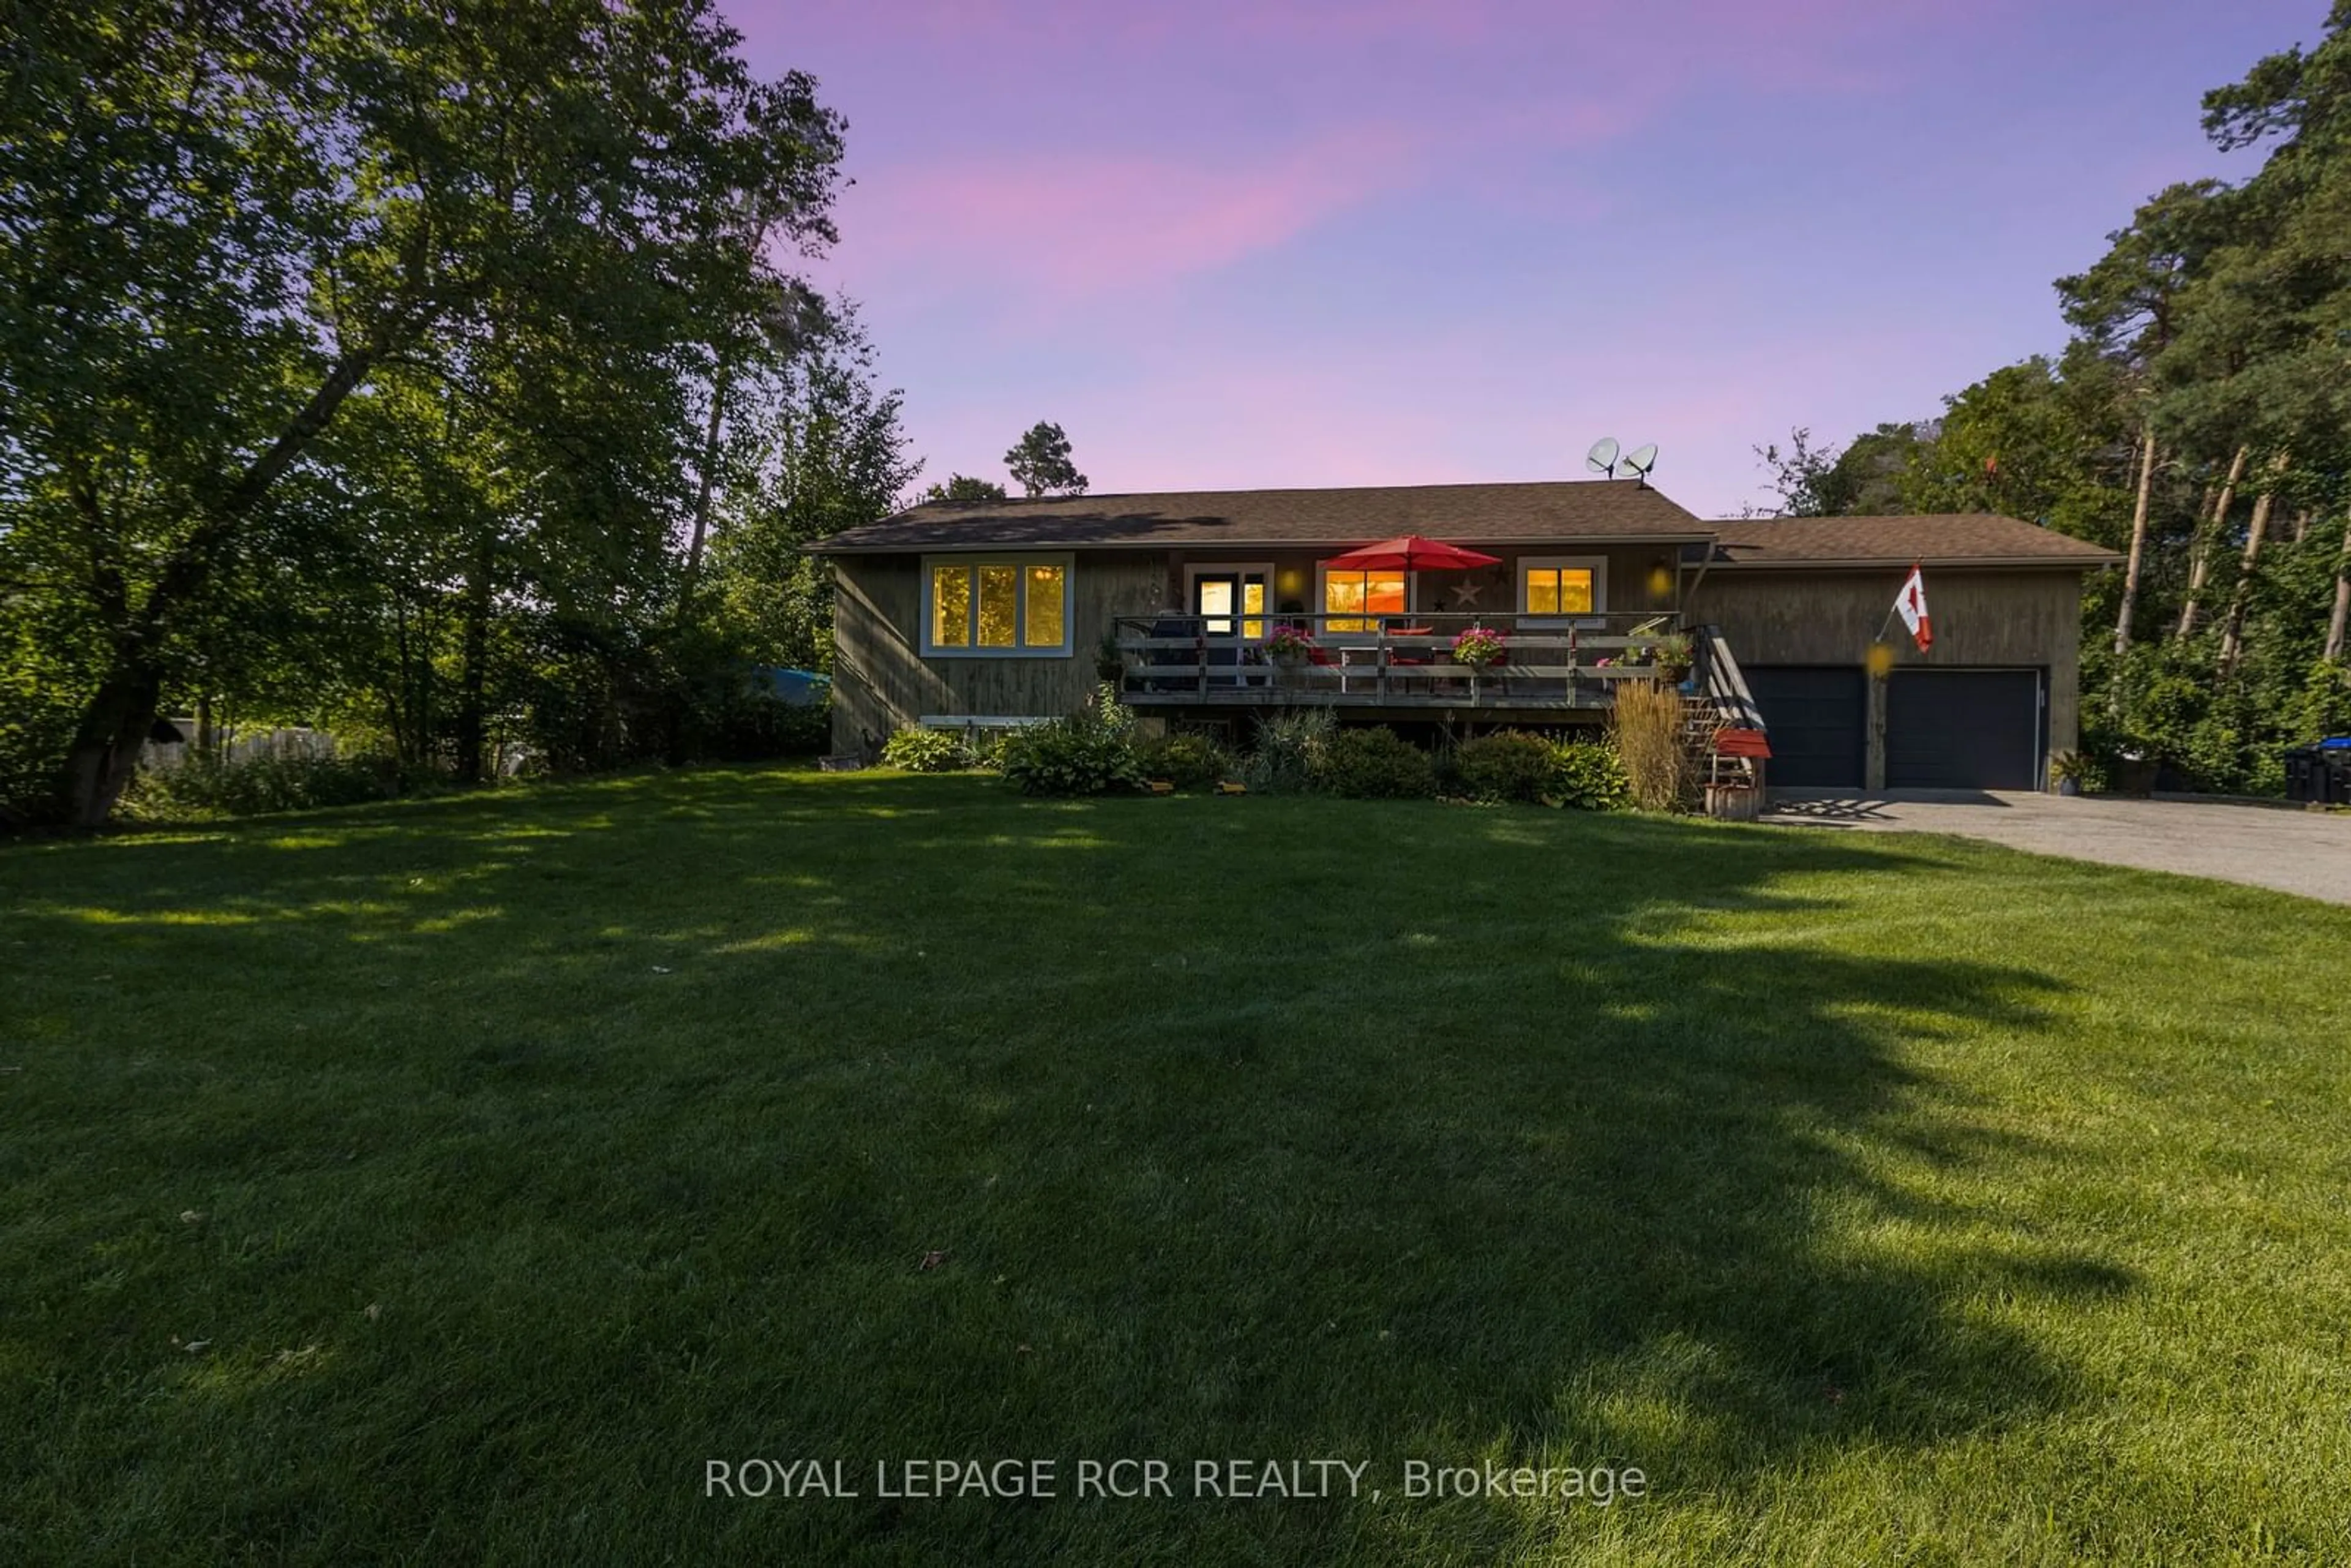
[1800, 601]
[1964, 729]
[1818, 719]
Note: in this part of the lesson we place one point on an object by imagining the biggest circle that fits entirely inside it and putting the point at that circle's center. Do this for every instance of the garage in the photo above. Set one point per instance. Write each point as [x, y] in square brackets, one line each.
[1817, 717]
[1963, 729]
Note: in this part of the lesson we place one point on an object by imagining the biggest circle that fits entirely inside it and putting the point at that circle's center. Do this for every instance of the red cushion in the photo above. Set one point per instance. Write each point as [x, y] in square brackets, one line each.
[1730, 742]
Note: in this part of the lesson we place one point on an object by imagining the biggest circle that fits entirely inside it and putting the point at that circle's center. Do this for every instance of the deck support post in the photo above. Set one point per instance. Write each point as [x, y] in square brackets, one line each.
[1872, 776]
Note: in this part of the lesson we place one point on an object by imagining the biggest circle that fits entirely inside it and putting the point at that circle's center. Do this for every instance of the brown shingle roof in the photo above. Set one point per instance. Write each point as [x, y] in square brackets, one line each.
[1950, 539]
[1586, 510]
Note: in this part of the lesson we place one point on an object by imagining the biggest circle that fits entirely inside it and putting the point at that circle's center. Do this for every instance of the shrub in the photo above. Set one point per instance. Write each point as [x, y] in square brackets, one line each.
[205, 787]
[1091, 752]
[1509, 765]
[1374, 764]
[1647, 726]
[1289, 750]
[740, 725]
[918, 750]
[1586, 776]
[1188, 761]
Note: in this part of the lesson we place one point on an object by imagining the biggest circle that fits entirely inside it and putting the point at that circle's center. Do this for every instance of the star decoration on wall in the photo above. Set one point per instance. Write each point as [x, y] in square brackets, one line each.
[1466, 592]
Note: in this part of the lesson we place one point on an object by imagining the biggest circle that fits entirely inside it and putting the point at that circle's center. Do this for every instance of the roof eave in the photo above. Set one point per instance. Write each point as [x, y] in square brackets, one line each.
[1905, 562]
[940, 546]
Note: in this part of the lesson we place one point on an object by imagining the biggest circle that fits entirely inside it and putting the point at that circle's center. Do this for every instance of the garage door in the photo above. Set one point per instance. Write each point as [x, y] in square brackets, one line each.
[1963, 729]
[1815, 717]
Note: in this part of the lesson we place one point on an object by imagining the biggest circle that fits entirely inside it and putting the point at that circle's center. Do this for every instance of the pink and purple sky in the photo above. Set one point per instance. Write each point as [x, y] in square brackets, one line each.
[1311, 241]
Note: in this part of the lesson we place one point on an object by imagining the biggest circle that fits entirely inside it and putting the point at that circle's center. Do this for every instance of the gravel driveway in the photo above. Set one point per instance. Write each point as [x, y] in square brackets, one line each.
[2308, 852]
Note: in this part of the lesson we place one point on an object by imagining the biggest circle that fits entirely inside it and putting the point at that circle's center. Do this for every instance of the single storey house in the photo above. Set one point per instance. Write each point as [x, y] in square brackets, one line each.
[1208, 607]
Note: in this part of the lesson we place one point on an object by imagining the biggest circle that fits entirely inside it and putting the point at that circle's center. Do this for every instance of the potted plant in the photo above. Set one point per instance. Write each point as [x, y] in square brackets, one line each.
[1671, 655]
[1478, 647]
[1288, 647]
[2066, 771]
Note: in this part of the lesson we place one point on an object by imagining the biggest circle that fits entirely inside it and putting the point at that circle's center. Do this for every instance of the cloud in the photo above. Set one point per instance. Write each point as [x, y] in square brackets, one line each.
[1083, 224]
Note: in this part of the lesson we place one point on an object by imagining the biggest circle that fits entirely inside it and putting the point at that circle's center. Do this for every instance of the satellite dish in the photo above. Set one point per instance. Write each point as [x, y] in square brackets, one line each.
[1642, 460]
[1601, 458]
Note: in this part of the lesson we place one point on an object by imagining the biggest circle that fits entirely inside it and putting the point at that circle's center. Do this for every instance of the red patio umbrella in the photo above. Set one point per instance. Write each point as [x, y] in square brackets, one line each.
[1410, 552]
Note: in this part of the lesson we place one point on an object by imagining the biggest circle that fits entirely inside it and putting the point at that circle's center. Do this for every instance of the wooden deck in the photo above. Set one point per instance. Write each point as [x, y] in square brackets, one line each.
[1552, 665]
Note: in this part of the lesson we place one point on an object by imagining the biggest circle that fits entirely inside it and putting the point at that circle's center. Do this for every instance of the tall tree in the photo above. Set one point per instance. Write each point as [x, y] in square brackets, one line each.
[224, 218]
[2199, 563]
[962, 490]
[823, 450]
[1040, 463]
[2128, 306]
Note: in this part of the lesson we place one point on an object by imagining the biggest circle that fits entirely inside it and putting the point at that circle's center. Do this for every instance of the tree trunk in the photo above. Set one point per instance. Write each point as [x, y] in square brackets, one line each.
[708, 484]
[114, 723]
[2137, 545]
[2336, 623]
[2232, 630]
[473, 686]
[2199, 564]
[105, 749]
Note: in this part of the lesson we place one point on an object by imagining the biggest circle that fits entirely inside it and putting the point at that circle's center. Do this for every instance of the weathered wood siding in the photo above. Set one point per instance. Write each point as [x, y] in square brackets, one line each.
[881, 679]
[1980, 619]
[1640, 577]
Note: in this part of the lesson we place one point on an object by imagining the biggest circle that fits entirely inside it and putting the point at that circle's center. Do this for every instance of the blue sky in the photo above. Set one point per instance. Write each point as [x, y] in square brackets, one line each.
[1285, 241]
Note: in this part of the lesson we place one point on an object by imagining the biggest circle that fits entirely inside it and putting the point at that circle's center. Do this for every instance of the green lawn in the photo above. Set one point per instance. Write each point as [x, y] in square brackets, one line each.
[452, 1181]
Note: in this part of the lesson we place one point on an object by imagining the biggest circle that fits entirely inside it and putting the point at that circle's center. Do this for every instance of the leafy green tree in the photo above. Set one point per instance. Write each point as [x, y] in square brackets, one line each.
[2277, 311]
[1799, 478]
[962, 490]
[2129, 308]
[219, 223]
[2029, 441]
[1040, 463]
[1862, 478]
[825, 451]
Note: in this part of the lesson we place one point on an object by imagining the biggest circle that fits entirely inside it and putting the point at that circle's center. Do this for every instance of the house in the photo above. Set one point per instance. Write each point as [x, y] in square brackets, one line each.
[953, 614]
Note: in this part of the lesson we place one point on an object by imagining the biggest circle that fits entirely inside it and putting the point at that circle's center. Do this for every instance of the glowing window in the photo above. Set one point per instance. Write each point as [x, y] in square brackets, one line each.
[1352, 596]
[1003, 606]
[1044, 597]
[1559, 591]
[1000, 605]
[1563, 585]
[951, 606]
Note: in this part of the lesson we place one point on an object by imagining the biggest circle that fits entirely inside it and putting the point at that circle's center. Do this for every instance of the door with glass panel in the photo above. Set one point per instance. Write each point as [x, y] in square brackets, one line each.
[1231, 608]
[1230, 603]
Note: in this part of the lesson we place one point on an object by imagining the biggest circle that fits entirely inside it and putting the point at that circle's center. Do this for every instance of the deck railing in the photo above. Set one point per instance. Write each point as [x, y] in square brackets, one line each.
[1389, 660]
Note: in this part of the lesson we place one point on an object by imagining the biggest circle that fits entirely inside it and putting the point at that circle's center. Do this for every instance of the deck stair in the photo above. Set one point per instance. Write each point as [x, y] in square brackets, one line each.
[1723, 730]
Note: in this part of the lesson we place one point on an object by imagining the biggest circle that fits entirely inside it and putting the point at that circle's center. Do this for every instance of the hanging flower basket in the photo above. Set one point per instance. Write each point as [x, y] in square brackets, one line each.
[1478, 647]
[1288, 647]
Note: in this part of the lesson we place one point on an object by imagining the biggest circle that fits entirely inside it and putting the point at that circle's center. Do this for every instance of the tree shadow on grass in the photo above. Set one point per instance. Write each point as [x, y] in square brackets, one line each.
[1271, 1129]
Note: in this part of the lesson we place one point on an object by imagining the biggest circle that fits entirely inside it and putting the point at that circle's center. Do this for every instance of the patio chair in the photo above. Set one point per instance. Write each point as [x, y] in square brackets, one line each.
[1169, 627]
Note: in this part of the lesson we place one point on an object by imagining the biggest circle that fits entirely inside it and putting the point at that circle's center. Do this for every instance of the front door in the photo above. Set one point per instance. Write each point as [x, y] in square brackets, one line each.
[1230, 602]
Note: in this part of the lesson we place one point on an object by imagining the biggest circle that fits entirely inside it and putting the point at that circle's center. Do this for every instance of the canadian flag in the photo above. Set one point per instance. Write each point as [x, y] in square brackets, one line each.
[1911, 605]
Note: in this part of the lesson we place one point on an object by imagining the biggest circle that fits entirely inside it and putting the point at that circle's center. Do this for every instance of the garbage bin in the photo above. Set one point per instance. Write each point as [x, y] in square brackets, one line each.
[2320, 774]
[2305, 776]
[2334, 760]
[2136, 775]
